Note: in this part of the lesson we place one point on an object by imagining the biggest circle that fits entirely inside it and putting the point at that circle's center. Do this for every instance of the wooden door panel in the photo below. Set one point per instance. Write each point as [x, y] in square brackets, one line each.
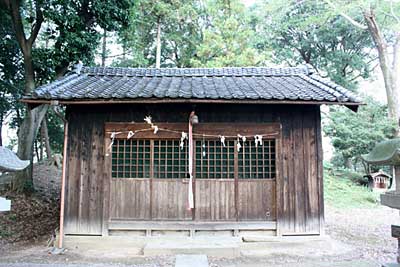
[170, 199]
[130, 199]
[215, 199]
[256, 199]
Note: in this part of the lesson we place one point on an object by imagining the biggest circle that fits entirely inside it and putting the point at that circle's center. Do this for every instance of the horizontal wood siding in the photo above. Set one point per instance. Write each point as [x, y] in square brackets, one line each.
[300, 206]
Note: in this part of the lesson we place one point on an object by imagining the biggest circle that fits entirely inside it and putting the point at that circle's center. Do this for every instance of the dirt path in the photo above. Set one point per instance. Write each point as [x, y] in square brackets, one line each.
[367, 230]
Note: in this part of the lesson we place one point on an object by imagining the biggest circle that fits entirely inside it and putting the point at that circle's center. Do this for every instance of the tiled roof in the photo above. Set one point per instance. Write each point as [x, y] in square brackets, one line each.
[279, 84]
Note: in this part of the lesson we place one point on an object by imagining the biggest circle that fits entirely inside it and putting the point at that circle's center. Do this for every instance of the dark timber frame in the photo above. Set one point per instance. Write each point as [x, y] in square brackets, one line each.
[297, 197]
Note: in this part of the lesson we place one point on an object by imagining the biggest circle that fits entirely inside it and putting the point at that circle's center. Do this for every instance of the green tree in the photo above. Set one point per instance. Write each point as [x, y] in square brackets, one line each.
[306, 33]
[228, 37]
[69, 28]
[32, 19]
[162, 33]
[381, 20]
[353, 134]
[11, 70]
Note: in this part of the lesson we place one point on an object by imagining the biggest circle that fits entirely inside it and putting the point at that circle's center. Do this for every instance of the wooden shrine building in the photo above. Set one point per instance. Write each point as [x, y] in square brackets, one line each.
[254, 143]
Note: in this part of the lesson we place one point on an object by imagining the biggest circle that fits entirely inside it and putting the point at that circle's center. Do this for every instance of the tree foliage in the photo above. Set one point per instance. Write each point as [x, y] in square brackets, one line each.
[381, 19]
[70, 34]
[212, 33]
[353, 134]
[306, 32]
[180, 32]
[228, 38]
[11, 71]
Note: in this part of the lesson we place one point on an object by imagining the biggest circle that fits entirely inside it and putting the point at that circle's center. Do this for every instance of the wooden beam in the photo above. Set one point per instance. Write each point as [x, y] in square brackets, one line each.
[191, 225]
[201, 128]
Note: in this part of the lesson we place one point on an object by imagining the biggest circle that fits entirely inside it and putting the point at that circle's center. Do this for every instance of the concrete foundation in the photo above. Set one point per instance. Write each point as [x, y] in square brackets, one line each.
[227, 247]
[215, 246]
[191, 260]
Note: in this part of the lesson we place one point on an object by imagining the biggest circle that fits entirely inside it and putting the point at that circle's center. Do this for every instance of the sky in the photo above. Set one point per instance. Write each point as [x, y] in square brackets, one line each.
[248, 2]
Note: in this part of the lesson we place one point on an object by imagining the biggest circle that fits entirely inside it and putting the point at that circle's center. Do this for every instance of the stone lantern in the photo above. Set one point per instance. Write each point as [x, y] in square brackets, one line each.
[388, 153]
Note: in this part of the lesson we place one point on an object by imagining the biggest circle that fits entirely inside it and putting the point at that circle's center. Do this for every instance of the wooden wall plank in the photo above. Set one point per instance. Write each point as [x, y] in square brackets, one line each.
[279, 187]
[215, 199]
[130, 199]
[257, 197]
[299, 175]
[82, 120]
[301, 188]
[170, 200]
[320, 172]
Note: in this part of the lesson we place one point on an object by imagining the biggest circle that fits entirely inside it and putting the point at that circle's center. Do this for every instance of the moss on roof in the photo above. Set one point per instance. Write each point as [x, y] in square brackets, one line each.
[384, 153]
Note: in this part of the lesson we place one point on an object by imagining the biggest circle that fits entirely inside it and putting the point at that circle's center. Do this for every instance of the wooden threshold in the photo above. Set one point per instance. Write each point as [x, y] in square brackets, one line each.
[191, 225]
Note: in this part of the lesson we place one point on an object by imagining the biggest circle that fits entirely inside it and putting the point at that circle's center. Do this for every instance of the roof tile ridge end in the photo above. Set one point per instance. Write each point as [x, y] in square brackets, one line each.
[329, 83]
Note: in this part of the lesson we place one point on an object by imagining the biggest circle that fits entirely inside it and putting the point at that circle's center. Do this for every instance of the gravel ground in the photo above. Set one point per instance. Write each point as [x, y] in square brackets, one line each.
[365, 231]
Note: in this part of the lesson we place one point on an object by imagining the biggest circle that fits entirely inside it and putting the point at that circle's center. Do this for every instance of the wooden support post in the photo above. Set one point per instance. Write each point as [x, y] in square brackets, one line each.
[63, 181]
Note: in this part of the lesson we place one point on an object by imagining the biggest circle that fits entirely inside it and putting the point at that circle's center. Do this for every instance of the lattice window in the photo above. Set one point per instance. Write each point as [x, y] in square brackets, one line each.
[130, 159]
[170, 161]
[257, 162]
[165, 159]
[218, 161]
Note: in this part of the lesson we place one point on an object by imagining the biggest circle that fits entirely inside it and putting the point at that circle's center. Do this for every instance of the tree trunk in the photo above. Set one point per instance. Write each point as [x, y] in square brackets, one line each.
[29, 71]
[1, 136]
[123, 51]
[41, 141]
[347, 162]
[390, 70]
[28, 130]
[104, 49]
[26, 137]
[30, 125]
[158, 45]
[45, 137]
[1, 128]
[36, 150]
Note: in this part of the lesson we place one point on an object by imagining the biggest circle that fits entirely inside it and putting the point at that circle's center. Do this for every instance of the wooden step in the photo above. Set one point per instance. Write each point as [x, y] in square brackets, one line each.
[227, 247]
